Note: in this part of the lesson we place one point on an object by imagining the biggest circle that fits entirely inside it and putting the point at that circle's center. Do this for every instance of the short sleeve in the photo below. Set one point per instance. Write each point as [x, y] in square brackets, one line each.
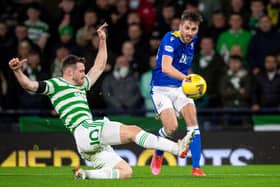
[49, 87]
[168, 45]
[87, 83]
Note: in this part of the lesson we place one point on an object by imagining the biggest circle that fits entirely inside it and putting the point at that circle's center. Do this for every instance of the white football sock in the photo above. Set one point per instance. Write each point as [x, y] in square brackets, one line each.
[148, 140]
[103, 173]
[193, 128]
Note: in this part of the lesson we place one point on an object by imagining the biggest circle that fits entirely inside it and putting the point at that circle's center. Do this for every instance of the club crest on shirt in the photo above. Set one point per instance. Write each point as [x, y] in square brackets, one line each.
[79, 94]
[168, 48]
[159, 105]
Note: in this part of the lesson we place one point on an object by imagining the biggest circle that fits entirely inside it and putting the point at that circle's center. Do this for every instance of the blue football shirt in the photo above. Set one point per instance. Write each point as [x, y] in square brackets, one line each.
[182, 55]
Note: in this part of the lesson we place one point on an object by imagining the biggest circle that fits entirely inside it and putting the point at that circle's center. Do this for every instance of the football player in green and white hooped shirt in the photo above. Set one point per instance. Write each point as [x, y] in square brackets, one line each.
[93, 138]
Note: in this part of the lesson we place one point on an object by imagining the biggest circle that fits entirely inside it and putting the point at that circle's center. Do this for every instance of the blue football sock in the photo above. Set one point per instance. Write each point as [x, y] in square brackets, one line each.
[161, 133]
[195, 148]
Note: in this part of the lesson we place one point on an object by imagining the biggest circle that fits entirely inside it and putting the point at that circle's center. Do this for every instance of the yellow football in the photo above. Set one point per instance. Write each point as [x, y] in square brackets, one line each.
[194, 86]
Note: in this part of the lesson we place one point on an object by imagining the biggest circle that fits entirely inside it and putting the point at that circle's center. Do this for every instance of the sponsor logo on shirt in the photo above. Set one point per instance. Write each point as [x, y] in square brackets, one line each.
[168, 48]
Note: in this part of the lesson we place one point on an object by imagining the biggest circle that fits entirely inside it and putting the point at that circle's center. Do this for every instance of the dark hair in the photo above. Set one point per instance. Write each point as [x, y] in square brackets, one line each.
[72, 60]
[218, 11]
[236, 14]
[191, 16]
[168, 3]
[35, 6]
[21, 24]
[236, 57]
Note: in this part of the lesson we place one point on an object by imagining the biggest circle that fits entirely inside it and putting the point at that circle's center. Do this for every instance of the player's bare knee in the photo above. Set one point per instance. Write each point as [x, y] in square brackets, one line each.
[171, 129]
[129, 133]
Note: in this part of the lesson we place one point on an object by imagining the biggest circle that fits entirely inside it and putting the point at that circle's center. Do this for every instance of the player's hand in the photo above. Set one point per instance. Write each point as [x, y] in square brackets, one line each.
[15, 64]
[101, 31]
[186, 79]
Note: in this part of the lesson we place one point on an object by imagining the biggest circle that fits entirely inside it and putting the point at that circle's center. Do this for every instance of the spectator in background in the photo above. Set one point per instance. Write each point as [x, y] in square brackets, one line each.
[85, 33]
[135, 35]
[22, 51]
[128, 51]
[236, 35]
[3, 89]
[117, 37]
[38, 31]
[236, 50]
[211, 66]
[147, 13]
[68, 14]
[56, 67]
[235, 84]
[118, 27]
[175, 22]
[119, 16]
[237, 7]
[274, 13]
[208, 7]
[103, 9]
[257, 11]
[21, 34]
[133, 4]
[66, 34]
[120, 88]
[217, 25]
[6, 44]
[234, 88]
[133, 18]
[34, 72]
[145, 87]
[154, 42]
[266, 90]
[167, 13]
[266, 41]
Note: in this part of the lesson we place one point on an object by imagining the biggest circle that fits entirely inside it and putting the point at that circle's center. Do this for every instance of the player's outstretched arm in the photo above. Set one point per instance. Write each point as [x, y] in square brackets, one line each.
[170, 70]
[27, 84]
[101, 57]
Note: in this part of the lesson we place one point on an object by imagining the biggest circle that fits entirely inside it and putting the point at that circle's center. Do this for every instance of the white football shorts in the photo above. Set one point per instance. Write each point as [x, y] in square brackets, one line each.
[165, 97]
[93, 140]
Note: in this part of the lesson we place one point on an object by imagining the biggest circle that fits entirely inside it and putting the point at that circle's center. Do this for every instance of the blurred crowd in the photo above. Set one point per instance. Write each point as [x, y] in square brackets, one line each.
[238, 49]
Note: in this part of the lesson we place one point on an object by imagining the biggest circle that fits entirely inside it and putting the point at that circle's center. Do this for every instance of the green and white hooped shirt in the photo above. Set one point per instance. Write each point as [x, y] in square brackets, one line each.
[69, 101]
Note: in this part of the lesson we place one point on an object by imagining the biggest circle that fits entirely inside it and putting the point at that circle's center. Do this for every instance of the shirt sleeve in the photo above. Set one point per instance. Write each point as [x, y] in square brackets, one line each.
[168, 45]
[49, 88]
[87, 83]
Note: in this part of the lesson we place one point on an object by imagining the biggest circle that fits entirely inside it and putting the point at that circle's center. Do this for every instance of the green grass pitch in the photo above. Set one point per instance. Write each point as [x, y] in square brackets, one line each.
[253, 175]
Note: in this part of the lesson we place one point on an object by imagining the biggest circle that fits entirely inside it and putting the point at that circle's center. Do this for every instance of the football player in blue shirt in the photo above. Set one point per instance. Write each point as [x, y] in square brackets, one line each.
[174, 59]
